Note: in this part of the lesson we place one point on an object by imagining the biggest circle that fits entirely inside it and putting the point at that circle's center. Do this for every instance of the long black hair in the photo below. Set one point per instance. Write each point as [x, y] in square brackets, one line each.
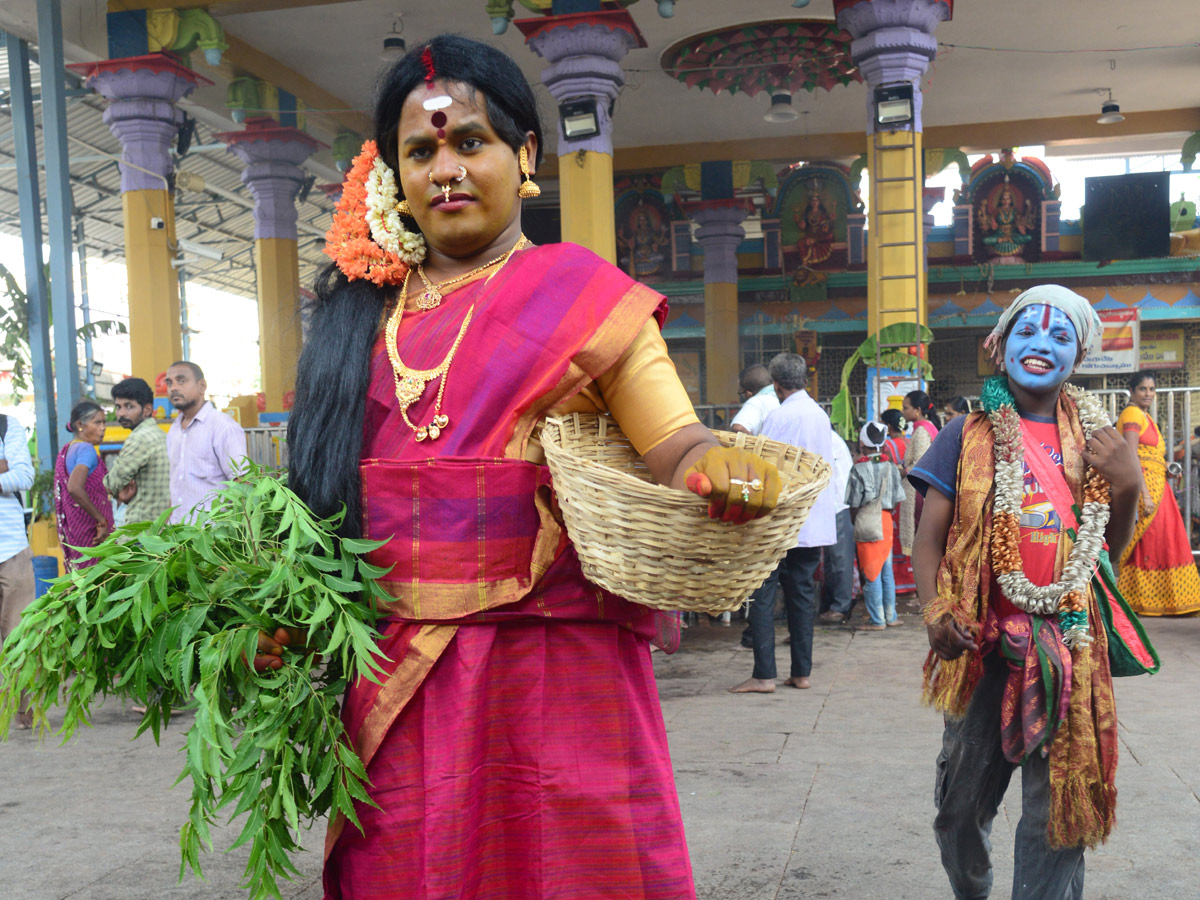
[326, 424]
[922, 401]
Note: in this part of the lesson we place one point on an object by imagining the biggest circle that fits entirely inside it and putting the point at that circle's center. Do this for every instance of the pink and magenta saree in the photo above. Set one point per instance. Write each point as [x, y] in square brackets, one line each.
[516, 748]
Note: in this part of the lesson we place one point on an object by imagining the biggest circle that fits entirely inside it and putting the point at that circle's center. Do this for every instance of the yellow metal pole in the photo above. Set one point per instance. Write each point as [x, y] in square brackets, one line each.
[154, 333]
[586, 181]
[278, 317]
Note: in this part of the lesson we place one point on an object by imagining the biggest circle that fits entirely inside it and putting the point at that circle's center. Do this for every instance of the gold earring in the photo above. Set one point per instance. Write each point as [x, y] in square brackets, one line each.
[404, 209]
[528, 188]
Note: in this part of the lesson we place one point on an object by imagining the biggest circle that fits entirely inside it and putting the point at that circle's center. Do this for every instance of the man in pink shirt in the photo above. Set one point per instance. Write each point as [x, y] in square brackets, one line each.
[205, 446]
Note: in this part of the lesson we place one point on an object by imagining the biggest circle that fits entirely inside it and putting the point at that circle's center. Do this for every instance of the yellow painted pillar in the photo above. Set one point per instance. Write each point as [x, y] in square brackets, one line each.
[719, 235]
[155, 338]
[142, 92]
[722, 352]
[893, 42]
[584, 53]
[273, 154]
[896, 281]
[278, 317]
[585, 179]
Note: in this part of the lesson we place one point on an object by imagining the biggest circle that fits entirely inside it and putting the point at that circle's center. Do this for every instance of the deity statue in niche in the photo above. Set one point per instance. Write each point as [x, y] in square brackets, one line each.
[644, 241]
[815, 226]
[1005, 227]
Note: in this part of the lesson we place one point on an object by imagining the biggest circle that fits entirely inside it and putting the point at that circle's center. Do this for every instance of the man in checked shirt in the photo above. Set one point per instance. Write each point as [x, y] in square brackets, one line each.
[140, 475]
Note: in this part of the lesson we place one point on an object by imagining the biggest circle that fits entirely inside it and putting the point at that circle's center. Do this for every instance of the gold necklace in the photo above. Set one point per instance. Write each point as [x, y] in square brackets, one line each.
[411, 383]
[432, 296]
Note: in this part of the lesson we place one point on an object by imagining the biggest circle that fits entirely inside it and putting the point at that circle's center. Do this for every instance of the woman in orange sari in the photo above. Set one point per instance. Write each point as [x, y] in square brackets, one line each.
[1157, 574]
[515, 747]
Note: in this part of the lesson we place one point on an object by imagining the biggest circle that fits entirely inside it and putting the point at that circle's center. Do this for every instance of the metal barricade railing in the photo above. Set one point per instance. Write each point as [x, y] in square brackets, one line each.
[1174, 405]
[268, 446]
[1179, 432]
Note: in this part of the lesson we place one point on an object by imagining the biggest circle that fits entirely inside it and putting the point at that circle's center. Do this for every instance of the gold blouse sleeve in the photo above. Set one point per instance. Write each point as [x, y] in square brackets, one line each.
[642, 391]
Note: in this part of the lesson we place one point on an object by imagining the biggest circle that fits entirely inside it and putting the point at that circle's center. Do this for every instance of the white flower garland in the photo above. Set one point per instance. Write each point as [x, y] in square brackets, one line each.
[1010, 487]
[384, 219]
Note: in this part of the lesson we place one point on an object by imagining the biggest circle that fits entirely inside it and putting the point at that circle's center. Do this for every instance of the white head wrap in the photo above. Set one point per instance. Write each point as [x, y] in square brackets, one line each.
[1076, 308]
[874, 441]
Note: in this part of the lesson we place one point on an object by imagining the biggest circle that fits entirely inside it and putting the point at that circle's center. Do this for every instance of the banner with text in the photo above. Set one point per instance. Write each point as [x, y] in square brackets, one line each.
[1119, 344]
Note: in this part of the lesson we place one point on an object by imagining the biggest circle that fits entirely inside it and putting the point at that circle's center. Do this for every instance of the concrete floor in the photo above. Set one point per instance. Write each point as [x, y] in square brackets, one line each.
[824, 793]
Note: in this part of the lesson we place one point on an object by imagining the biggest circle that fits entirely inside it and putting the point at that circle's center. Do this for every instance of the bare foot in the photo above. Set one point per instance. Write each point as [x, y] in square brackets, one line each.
[799, 681]
[754, 686]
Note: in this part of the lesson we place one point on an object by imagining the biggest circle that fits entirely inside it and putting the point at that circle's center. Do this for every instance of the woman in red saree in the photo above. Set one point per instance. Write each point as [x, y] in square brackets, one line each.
[81, 503]
[515, 747]
[1157, 574]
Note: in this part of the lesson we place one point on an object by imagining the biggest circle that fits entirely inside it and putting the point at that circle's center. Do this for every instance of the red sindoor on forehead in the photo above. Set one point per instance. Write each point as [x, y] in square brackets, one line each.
[427, 61]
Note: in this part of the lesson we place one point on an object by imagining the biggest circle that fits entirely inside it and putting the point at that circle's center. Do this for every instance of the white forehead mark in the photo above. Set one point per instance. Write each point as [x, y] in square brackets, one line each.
[437, 102]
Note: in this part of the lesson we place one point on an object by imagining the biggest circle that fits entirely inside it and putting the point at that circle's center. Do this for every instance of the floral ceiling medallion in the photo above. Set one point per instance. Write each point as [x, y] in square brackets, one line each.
[794, 55]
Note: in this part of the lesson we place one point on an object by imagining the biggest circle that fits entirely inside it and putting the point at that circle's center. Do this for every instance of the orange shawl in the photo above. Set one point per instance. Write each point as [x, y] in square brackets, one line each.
[1083, 755]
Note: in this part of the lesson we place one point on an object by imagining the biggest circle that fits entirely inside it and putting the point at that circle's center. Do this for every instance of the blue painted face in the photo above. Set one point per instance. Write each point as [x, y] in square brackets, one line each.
[1041, 347]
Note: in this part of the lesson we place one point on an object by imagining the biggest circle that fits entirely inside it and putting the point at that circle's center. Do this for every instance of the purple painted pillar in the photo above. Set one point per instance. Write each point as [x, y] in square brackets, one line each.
[142, 92]
[719, 235]
[893, 43]
[272, 155]
[584, 52]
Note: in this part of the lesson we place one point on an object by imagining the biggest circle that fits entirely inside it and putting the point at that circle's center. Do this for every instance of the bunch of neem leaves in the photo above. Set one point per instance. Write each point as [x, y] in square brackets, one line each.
[169, 615]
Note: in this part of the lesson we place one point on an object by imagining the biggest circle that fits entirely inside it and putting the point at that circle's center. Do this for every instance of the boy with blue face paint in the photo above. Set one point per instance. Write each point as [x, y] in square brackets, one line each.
[1022, 683]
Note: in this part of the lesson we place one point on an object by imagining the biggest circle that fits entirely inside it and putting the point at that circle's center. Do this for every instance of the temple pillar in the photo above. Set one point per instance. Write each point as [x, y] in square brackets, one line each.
[584, 50]
[142, 92]
[719, 235]
[272, 155]
[892, 45]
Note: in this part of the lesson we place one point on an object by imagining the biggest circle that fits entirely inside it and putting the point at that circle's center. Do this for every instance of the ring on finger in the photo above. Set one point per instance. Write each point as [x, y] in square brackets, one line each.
[747, 486]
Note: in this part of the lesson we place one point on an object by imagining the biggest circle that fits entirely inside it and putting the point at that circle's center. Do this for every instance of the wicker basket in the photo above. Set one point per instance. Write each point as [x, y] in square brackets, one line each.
[657, 546]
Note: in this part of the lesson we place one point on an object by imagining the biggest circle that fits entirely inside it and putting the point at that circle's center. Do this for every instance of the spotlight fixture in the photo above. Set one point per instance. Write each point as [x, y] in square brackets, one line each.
[894, 104]
[781, 107]
[580, 120]
[394, 46]
[1110, 111]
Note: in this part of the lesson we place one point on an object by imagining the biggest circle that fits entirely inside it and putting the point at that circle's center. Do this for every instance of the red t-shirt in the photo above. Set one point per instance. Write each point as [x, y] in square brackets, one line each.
[1040, 524]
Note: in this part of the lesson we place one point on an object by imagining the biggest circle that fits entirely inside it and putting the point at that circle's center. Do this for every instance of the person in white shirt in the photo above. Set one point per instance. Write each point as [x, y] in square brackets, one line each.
[16, 559]
[758, 399]
[800, 422]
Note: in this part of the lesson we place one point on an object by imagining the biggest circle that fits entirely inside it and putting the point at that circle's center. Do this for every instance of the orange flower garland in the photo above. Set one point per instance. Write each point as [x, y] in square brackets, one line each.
[1006, 543]
[348, 242]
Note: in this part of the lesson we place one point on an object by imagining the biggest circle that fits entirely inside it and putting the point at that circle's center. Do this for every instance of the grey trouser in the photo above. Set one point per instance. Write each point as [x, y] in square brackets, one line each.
[972, 776]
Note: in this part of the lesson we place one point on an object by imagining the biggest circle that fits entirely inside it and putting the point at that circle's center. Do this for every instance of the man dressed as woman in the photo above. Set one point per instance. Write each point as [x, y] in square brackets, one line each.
[515, 746]
[1157, 574]
[81, 503]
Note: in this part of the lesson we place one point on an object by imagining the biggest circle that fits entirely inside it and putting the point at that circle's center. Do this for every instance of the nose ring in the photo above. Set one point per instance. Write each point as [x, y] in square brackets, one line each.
[445, 188]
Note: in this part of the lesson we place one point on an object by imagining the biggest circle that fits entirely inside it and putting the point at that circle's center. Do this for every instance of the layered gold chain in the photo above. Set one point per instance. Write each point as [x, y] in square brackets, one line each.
[412, 383]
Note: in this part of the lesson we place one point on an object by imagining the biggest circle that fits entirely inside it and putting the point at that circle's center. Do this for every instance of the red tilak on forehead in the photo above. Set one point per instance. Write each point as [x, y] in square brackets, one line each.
[1046, 317]
[427, 61]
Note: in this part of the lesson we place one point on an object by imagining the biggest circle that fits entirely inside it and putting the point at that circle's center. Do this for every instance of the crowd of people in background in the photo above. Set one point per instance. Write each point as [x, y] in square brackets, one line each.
[858, 537]
[180, 469]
